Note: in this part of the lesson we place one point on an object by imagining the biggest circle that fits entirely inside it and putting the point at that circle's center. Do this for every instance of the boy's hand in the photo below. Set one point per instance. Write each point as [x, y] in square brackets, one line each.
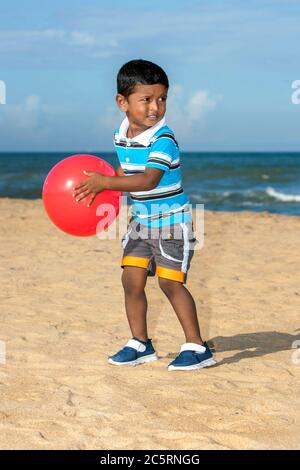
[92, 185]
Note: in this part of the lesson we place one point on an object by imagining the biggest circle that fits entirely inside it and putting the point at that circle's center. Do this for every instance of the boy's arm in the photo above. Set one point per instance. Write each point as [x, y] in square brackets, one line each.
[97, 182]
[145, 181]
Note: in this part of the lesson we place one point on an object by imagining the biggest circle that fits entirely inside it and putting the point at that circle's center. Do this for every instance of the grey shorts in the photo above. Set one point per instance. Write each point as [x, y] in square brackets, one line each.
[165, 252]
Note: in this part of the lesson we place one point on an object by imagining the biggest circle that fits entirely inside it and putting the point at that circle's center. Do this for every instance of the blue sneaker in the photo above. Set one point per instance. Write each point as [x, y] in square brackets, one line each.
[192, 356]
[134, 352]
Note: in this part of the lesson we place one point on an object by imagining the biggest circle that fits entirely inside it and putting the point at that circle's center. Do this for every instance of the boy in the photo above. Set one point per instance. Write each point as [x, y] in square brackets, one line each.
[150, 171]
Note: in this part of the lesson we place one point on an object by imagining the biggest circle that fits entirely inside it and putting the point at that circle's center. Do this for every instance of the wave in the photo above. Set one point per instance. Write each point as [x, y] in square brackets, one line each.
[245, 197]
[282, 196]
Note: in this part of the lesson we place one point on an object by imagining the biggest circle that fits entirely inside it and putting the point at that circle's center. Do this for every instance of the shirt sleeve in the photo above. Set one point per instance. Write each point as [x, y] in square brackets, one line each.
[163, 152]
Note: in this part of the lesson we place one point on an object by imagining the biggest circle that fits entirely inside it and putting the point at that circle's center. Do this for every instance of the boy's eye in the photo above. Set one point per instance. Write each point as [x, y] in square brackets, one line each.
[163, 98]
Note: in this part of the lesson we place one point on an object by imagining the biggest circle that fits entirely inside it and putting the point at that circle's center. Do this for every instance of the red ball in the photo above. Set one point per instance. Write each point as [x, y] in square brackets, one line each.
[76, 218]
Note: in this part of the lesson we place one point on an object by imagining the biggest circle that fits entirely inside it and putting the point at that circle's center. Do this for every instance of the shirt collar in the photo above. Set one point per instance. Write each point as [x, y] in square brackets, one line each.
[143, 138]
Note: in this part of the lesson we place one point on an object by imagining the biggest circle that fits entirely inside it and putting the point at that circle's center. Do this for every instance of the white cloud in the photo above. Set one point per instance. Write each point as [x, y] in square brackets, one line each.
[21, 117]
[187, 113]
[32, 103]
[79, 38]
[47, 33]
[18, 40]
[206, 33]
[34, 38]
[199, 104]
[28, 121]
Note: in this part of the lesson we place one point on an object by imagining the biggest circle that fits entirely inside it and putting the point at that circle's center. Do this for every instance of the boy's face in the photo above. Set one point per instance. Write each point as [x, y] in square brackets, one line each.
[145, 106]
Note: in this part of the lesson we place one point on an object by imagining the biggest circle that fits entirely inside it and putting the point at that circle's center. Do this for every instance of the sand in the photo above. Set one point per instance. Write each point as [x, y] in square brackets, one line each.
[62, 313]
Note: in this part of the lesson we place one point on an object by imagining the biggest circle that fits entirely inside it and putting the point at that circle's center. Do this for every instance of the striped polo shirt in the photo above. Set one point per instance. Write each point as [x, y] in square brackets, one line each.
[156, 147]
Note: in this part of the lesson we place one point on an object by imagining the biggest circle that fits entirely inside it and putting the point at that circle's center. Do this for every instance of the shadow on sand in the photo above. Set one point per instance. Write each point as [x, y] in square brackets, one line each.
[251, 345]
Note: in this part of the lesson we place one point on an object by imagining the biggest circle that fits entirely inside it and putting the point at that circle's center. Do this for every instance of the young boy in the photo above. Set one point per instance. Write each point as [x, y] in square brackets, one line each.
[150, 171]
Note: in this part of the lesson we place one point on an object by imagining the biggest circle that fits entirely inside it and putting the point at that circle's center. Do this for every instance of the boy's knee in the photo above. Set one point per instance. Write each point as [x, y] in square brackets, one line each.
[168, 286]
[131, 285]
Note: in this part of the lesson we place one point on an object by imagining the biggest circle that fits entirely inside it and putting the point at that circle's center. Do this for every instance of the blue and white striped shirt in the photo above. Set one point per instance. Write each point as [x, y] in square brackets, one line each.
[155, 148]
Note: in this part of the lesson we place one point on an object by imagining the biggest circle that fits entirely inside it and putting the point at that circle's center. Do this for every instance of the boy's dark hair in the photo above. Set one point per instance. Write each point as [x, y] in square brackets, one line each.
[139, 72]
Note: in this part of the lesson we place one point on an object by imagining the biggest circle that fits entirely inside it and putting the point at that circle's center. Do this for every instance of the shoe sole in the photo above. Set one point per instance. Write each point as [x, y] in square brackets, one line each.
[140, 360]
[201, 365]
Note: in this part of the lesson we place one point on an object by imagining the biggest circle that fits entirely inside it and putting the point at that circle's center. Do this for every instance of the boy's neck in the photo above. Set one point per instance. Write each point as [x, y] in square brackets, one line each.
[134, 130]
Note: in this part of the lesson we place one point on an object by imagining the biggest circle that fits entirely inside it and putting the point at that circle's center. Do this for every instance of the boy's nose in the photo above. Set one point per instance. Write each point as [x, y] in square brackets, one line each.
[153, 107]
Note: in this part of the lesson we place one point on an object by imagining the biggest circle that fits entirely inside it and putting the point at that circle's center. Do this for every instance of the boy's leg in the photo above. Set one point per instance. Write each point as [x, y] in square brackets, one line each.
[134, 280]
[185, 308]
[194, 354]
[137, 265]
[173, 254]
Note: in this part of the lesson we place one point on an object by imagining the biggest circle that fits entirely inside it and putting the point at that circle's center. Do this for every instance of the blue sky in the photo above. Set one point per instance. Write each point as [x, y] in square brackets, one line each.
[230, 64]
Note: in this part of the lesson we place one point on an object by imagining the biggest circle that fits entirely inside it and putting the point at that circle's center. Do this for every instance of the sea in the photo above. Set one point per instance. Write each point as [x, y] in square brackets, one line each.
[222, 181]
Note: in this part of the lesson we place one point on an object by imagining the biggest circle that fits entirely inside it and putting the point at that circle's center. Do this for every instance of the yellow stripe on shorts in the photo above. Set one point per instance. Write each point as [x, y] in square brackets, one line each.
[135, 261]
[170, 274]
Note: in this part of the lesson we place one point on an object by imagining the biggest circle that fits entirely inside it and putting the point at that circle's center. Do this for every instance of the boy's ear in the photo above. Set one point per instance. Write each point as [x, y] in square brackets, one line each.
[122, 102]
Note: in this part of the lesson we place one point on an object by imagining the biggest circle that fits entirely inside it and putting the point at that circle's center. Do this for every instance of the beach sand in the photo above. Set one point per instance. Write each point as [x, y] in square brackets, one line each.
[62, 313]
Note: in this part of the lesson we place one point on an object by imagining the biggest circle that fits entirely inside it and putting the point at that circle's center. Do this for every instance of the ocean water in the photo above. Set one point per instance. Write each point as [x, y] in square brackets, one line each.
[221, 181]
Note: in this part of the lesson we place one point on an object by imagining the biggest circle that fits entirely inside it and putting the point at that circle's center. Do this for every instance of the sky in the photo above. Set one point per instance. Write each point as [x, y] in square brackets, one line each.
[231, 65]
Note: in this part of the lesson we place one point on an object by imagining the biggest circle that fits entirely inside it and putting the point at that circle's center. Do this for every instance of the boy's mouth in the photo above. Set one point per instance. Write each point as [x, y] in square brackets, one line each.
[152, 117]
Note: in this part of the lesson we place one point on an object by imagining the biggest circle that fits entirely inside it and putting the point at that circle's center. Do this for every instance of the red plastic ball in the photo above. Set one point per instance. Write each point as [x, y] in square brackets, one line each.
[76, 218]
